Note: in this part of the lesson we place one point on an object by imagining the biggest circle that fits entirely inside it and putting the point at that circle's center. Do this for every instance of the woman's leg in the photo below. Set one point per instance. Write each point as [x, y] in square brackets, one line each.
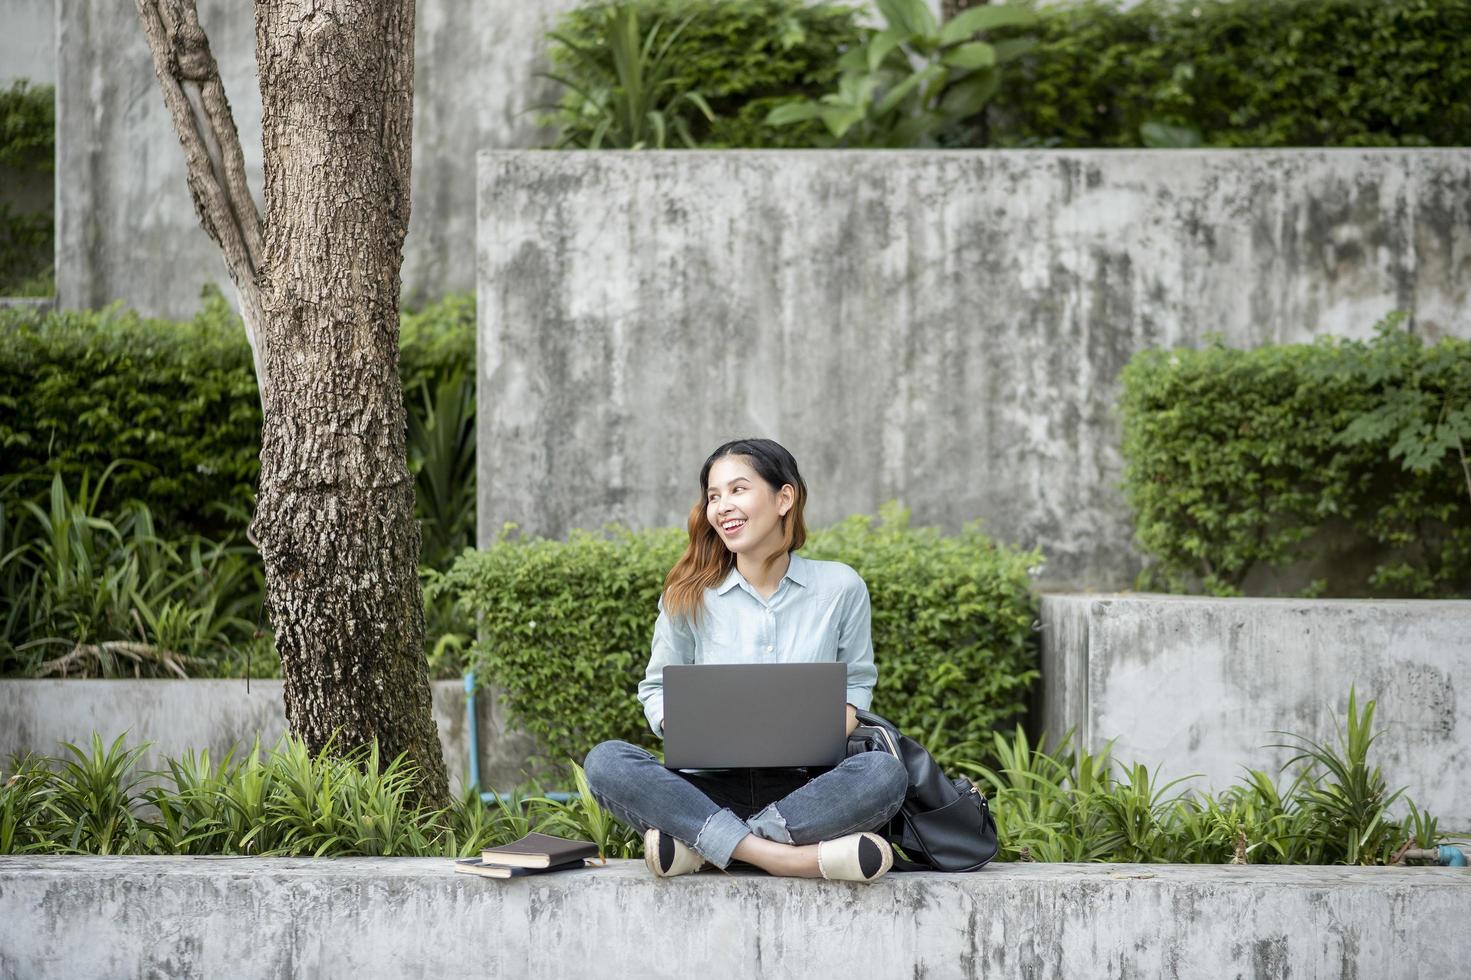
[861, 793]
[637, 789]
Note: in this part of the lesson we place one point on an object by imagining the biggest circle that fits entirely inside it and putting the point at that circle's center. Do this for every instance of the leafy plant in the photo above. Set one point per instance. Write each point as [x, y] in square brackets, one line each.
[107, 595]
[1065, 805]
[1420, 398]
[916, 78]
[1349, 806]
[1287, 456]
[747, 55]
[96, 797]
[629, 93]
[27, 810]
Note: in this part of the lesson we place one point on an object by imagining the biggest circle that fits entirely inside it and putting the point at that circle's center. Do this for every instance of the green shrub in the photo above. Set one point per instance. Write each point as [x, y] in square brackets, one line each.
[1241, 460]
[742, 56]
[567, 627]
[79, 390]
[1242, 73]
[27, 148]
[28, 127]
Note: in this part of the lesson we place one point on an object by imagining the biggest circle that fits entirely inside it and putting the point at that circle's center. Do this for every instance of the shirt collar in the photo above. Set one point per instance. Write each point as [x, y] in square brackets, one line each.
[798, 570]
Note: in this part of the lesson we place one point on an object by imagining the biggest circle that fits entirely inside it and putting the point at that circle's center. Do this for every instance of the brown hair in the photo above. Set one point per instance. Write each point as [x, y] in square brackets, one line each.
[706, 562]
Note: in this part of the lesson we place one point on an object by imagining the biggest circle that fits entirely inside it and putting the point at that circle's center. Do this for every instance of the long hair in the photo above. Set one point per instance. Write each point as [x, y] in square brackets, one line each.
[706, 562]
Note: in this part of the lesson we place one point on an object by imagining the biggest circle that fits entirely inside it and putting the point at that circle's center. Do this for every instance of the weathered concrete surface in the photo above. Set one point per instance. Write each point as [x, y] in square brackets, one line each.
[177, 715]
[126, 228]
[1196, 685]
[28, 42]
[945, 328]
[358, 918]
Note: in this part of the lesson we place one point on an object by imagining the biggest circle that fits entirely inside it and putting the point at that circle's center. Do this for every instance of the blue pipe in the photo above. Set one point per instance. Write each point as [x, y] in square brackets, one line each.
[472, 736]
[1451, 857]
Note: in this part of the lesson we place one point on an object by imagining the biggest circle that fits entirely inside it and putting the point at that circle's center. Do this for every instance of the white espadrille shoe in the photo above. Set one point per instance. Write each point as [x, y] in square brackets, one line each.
[858, 857]
[667, 857]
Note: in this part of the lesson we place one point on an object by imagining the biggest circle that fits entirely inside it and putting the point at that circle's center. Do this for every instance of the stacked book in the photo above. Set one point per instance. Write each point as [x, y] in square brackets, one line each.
[533, 854]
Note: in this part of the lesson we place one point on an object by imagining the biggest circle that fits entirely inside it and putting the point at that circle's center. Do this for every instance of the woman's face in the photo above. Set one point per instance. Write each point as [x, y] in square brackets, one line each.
[743, 508]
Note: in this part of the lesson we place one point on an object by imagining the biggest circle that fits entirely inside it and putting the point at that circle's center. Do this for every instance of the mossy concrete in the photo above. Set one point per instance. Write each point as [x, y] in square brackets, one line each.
[360, 918]
[1193, 684]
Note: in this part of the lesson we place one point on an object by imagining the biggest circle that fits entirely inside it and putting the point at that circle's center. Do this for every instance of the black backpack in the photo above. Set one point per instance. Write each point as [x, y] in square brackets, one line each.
[945, 824]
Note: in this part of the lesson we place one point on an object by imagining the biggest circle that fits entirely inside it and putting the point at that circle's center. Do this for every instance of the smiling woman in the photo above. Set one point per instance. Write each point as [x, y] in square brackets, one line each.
[741, 594]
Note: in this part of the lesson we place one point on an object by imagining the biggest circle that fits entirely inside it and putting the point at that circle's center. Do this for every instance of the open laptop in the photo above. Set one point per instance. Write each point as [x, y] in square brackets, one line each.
[726, 716]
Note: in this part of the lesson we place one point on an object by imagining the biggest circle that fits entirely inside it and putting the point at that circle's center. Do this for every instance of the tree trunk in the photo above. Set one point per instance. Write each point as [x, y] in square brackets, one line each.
[335, 518]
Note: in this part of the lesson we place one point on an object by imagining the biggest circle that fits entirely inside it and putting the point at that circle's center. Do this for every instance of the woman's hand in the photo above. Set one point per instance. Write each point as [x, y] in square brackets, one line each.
[852, 718]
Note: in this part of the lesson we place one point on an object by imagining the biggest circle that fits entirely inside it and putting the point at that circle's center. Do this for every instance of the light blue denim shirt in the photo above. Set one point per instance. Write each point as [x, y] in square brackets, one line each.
[818, 613]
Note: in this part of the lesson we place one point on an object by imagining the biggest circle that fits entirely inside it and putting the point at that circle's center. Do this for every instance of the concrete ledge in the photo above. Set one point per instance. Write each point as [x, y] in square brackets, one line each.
[1198, 685]
[371, 917]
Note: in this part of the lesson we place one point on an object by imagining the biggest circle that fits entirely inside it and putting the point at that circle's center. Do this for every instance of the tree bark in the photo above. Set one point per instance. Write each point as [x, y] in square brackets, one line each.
[195, 97]
[335, 518]
[319, 290]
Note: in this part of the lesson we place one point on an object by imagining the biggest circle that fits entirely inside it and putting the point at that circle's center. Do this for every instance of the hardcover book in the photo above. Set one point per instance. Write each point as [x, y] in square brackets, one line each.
[539, 851]
[478, 866]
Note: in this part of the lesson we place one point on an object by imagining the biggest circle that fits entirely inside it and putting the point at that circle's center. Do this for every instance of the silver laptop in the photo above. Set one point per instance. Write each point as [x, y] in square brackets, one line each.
[726, 716]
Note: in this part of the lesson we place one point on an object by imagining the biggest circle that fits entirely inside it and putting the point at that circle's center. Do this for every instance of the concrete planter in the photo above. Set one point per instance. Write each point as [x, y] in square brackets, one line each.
[364, 918]
[177, 715]
[1198, 685]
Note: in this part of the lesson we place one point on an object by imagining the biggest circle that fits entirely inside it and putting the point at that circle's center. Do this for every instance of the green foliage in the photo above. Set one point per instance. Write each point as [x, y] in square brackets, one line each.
[169, 412]
[628, 97]
[27, 147]
[285, 802]
[915, 79]
[740, 56]
[26, 249]
[1066, 805]
[28, 127]
[1242, 73]
[1057, 805]
[85, 593]
[80, 390]
[567, 627]
[1237, 461]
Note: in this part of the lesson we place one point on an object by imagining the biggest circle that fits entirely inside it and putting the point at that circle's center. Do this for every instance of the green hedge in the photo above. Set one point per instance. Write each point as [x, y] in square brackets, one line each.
[81, 389]
[27, 148]
[567, 627]
[1238, 461]
[1244, 73]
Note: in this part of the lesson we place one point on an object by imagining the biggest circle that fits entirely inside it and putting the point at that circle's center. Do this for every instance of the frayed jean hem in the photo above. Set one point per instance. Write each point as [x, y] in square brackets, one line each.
[722, 831]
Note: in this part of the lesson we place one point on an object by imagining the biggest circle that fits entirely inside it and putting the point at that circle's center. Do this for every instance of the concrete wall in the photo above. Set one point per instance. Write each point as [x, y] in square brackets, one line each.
[361, 918]
[945, 328]
[38, 715]
[28, 41]
[126, 227]
[1199, 685]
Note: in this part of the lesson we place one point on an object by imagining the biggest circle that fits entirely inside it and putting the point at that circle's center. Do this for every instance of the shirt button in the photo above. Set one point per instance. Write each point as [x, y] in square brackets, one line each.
[770, 648]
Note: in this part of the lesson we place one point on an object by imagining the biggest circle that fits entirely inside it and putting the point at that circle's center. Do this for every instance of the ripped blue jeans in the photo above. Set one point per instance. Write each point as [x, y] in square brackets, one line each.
[714, 810]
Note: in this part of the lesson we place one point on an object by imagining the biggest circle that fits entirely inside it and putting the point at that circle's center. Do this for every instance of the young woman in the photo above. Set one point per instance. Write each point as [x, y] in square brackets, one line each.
[741, 594]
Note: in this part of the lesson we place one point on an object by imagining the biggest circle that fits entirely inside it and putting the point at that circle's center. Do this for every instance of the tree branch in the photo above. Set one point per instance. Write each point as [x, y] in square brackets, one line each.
[195, 97]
